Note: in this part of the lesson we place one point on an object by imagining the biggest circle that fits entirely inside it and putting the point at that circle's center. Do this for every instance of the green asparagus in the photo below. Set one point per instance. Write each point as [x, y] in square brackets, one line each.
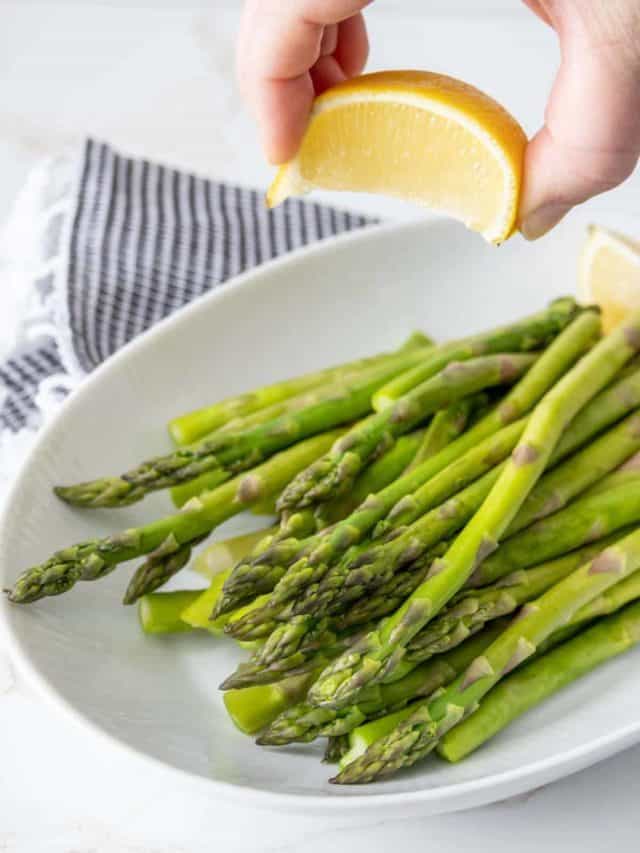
[303, 723]
[544, 676]
[159, 612]
[332, 406]
[253, 708]
[418, 735]
[335, 472]
[321, 551]
[159, 567]
[585, 520]
[95, 558]
[532, 332]
[472, 609]
[192, 426]
[446, 425]
[375, 656]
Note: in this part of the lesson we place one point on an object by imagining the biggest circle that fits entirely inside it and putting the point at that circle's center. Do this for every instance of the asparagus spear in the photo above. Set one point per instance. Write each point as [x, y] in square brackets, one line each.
[352, 582]
[327, 648]
[476, 462]
[335, 749]
[334, 473]
[540, 679]
[253, 708]
[431, 720]
[532, 332]
[376, 655]
[159, 567]
[355, 577]
[267, 564]
[222, 556]
[555, 490]
[333, 405]
[302, 722]
[95, 558]
[359, 579]
[159, 612]
[585, 520]
[474, 608]
[383, 471]
[446, 425]
[607, 602]
[626, 473]
[552, 364]
[582, 470]
[192, 426]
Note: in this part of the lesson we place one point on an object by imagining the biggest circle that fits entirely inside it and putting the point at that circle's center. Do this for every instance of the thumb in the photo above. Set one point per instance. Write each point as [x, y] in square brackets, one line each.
[590, 141]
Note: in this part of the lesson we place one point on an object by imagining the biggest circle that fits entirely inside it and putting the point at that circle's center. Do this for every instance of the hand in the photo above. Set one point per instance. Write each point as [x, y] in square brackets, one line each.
[590, 141]
[289, 51]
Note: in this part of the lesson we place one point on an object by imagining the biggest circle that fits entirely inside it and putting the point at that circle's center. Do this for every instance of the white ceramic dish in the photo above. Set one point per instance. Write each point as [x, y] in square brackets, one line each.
[157, 697]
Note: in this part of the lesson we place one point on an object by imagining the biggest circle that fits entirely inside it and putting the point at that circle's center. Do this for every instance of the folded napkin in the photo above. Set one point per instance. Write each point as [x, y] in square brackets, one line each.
[109, 245]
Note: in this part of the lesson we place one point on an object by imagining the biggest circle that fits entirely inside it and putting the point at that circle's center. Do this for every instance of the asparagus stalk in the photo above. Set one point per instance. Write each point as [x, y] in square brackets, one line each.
[476, 462]
[159, 612]
[541, 678]
[580, 471]
[359, 579]
[585, 520]
[260, 572]
[251, 673]
[253, 708]
[328, 407]
[335, 472]
[376, 655]
[302, 722]
[371, 568]
[383, 471]
[223, 556]
[607, 602]
[446, 425]
[418, 735]
[95, 558]
[532, 332]
[335, 749]
[159, 567]
[474, 608]
[192, 426]
[553, 363]
[626, 473]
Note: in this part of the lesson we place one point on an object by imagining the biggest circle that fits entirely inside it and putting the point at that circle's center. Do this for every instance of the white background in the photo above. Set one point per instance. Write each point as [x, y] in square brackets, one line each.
[156, 79]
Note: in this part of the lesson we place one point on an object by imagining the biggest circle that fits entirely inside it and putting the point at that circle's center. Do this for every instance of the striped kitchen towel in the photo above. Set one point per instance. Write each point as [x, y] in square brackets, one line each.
[109, 245]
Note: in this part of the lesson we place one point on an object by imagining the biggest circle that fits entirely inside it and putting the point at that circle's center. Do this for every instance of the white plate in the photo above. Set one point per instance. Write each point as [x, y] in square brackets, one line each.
[157, 697]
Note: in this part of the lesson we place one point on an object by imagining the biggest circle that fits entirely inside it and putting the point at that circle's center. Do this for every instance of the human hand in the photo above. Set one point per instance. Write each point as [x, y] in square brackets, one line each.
[590, 141]
[290, 51]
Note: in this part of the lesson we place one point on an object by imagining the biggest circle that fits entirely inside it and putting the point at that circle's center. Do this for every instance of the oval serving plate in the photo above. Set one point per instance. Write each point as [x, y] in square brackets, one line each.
[157, 697]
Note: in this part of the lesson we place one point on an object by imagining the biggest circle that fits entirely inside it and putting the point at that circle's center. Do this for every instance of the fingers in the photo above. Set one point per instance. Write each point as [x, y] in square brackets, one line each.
[538, 9]
[591, 138]
[287, 52]
[352, 49]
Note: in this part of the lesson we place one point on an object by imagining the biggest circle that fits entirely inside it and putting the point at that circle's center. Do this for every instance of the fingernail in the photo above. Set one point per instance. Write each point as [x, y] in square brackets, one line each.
[543, 219]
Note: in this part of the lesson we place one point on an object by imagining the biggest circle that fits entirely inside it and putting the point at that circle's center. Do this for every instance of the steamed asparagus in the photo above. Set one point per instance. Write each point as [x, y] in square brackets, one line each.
[419, 734]
[376, 655]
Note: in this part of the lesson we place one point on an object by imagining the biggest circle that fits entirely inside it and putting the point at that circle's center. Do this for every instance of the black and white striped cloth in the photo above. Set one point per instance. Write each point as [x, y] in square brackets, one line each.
[132, 242]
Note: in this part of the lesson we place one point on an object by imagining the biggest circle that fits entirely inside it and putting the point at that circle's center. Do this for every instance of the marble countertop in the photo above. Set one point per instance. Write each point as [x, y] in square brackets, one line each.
[156, 79]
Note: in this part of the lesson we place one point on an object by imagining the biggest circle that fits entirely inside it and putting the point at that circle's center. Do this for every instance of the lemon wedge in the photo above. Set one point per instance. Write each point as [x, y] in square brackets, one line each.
[609, 274]
[416, 135]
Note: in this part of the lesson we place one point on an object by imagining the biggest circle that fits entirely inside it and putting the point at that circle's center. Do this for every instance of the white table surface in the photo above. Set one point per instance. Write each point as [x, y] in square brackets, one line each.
[155, 78]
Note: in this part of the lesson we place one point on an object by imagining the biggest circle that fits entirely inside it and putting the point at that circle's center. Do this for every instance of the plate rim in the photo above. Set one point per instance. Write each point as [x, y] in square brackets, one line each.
[440, 799]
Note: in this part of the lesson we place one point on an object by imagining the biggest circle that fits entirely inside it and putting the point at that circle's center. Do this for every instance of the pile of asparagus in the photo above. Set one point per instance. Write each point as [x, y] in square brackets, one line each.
[457, 537]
